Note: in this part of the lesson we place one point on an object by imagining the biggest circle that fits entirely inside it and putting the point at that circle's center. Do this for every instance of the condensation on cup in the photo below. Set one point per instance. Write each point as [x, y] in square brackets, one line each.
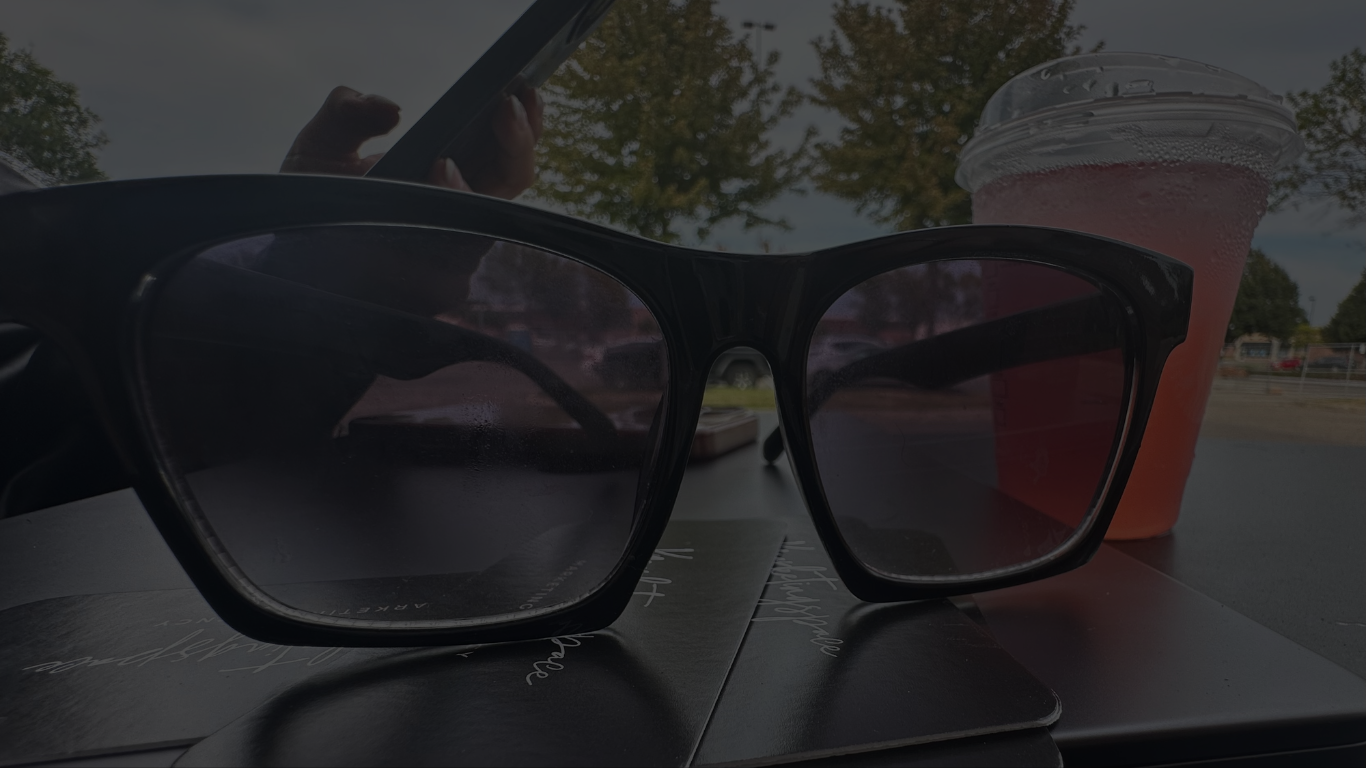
[1166, 153]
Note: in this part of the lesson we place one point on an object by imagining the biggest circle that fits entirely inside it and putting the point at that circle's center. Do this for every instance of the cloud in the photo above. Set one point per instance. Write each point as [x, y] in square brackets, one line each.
[187, 88]
[1325, 266]
[1283, 46]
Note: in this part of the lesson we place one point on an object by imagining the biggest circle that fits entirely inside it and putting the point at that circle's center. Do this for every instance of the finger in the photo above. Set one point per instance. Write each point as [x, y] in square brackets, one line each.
[535, 110]
[515, 167]
[331, 140]
[346, 120]
[368, 162]
[444, 173]
[512, 128]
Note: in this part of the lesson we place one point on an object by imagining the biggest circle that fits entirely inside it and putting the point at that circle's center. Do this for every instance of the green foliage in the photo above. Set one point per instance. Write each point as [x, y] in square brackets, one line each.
[1268, 300]
[728, 397]
[1330, 120]
[917, 297]
[1306, 334]
[910, 83]
[1349, 321]
[43, 123]
[661, 121]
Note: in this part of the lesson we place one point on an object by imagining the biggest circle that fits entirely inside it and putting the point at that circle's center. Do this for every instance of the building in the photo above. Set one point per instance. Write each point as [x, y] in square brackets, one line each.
[1254, 347]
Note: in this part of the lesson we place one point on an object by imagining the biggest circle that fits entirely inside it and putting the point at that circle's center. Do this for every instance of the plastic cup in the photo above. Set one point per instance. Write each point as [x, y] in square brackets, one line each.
[1165, 153]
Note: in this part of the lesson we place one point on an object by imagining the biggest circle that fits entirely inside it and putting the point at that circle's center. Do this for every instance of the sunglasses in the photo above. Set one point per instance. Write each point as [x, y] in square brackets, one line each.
[364, 413]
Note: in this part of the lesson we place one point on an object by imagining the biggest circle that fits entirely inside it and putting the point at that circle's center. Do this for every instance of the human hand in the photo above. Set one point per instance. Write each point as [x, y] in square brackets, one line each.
[330, 143]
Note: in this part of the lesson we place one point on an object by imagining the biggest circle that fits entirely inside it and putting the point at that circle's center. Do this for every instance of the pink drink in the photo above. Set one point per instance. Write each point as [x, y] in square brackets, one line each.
[1200, 213]
[1169, 154]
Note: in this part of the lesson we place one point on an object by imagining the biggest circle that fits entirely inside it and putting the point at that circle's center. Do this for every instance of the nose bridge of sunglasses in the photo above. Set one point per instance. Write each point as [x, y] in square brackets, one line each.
[746, 299]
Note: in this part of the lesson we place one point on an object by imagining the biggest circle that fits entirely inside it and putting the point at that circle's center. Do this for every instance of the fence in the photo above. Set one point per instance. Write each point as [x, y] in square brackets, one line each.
[1315, 396]
[1330, 361]
[1345, 362]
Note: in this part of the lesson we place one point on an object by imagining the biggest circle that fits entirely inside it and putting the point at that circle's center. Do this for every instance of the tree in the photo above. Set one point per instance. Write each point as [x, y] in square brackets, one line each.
[1268, 300]
[1304, 335]
[42, 122]
[919, 299]
[1348, 325]
[1330, 120]
[576, 299]
[660, 122]
[910, 84]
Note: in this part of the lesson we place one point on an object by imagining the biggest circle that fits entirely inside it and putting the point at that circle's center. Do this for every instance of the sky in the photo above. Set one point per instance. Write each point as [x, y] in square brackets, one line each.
[222, 87]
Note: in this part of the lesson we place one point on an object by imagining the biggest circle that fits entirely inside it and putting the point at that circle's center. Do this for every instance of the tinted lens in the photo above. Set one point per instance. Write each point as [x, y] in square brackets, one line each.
[964, 412]
[405, 425]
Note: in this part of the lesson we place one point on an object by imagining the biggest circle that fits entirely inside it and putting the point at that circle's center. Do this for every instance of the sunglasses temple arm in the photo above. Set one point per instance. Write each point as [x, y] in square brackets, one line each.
[290, 317]
[1066, 329]
[773, 445]
[442, 344]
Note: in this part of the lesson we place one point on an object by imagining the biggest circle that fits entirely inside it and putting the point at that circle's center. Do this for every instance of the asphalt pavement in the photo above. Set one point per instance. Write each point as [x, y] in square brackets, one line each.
[1308, 387]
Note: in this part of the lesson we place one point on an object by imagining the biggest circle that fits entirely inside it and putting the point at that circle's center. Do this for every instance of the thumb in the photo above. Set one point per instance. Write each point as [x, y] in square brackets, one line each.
[346, 120]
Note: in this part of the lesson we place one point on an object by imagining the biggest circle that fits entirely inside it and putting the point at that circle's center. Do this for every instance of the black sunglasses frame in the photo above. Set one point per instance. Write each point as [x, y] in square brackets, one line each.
[81, 265]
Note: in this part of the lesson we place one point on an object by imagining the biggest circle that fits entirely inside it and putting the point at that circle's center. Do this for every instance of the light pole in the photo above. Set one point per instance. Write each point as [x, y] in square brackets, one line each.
[1305, 358]
[759, 28]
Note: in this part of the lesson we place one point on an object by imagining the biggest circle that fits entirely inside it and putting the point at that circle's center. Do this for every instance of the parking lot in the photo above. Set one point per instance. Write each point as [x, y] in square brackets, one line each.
[1286, 409]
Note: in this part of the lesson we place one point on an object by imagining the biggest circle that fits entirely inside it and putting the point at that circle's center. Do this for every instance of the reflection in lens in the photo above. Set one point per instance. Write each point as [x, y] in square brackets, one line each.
[963, 413]
[406, 425]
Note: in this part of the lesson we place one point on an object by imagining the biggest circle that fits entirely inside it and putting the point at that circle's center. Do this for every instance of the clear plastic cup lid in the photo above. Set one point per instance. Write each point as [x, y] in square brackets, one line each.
[1114, 108]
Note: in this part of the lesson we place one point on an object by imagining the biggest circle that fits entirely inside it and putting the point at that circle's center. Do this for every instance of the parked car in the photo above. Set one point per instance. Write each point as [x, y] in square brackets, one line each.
[640, 364]
[1288, 364]
[1334, 364]
[740, 367]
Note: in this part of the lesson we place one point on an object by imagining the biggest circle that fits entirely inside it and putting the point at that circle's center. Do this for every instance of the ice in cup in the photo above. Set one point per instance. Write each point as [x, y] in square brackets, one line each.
[1165, 153]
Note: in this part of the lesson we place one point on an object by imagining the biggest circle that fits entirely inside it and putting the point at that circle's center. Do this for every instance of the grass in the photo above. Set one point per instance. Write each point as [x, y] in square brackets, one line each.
[1285, 418]
[755, 399]
[1236, 370]
[1339, 404]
